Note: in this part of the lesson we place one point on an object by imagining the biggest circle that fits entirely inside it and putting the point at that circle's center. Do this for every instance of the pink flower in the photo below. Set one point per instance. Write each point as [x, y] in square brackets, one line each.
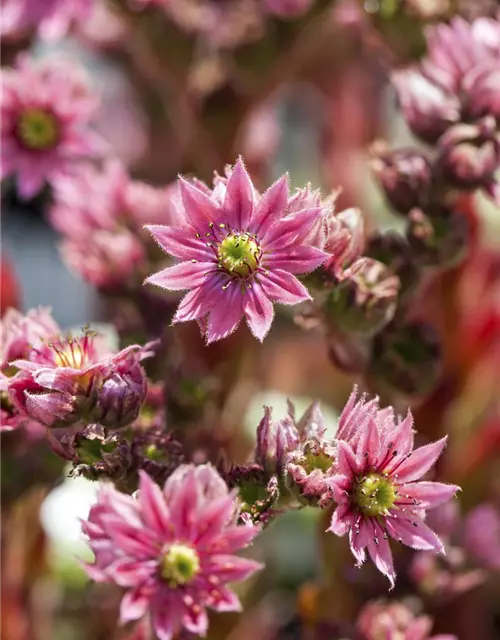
[46, 109]
[288, 8]
[20, 333]
[52, 18]
[482, 535]
[173, 550]
[238, 254]
[394, 621]
[375, 484]
[67, 381]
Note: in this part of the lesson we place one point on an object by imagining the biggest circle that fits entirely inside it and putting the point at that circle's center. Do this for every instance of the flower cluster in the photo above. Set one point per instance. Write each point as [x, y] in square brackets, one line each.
[100, 214]
[173, 550]
[451, 101]
[46, 108]
[51, 18]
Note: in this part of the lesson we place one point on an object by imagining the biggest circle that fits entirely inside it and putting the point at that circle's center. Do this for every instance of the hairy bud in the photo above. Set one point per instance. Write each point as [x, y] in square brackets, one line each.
[407, 358]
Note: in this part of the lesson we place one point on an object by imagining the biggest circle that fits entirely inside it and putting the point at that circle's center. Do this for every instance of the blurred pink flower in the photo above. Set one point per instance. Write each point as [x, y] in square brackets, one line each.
[457, 81]
[46, 110]
[375, 484]
[239, 252]
[173, 550]
[288, 8]
[51, 18]
[482, 535]
[394, 621]
[68, 380]
[19, 333]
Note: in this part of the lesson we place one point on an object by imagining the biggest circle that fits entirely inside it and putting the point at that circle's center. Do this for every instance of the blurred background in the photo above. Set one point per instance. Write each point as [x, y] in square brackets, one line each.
[185, 87]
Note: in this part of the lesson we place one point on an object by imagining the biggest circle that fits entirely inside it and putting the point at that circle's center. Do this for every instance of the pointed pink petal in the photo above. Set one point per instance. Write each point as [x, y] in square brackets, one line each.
[368, 443]
[196, 621]
[238, 203]
[184, 505]
[133, 606]
[139, 543]
[225, 316]
[259, 311]
[341, 520]
[214, 516]
[231, 568]
[30, 182]
[198, 302]
[130, 573]
[380, 553]
[280, 286]
[300, 259]
[339, 485]
[358, 540]
[184, 275]
[292, 229]
[414, 533]
[180, 243]
[347, 464]
[165, 616]
[235, 538]
[428, 494]
[402, 439]
[154, 509]
[420, 461]
[271, 207]
[223, 599]
[200, 209]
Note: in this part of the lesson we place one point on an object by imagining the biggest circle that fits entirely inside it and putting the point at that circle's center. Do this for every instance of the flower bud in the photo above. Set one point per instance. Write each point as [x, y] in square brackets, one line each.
[365, 299]
[427, 108]
[469, 155]
[156, 452]
[480, 86]
[407, 358]
[440, 238]
[274, 440]
[394, 251]
[405, 176]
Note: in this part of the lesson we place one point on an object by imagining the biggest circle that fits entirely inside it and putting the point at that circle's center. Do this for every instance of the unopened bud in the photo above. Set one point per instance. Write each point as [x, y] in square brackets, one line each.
[394, 251]
[405, 176]
[440, 238]
[481, 88]
[274, 441]
[469, 155]
[428, 109]
[407, 358]
[364, 300]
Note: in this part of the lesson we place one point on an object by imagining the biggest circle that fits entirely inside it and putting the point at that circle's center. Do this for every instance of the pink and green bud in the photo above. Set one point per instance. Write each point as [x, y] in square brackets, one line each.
[405, 176]
[364, 300]
[439, 237]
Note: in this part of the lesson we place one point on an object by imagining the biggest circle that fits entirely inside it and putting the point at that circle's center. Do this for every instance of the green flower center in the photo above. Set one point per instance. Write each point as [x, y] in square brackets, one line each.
[374, 494]
[239, 254]
[37, 129]
[179, 565]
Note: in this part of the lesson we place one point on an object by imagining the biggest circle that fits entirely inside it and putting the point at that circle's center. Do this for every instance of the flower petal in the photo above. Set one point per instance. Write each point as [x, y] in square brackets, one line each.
[200, 209]
[414, 533]
[347, 463]
[184, 275]
[380, 552]
[231, 568]
[428, 494]
[178, 242]
[283, 287]
[154, 509]
[259, 311]
[291, 229]
[300, 259]
[134, 605]
[199, 302]
[239, 200]
[225, 316]
[341, 520]
[420, 461]
[271, 207]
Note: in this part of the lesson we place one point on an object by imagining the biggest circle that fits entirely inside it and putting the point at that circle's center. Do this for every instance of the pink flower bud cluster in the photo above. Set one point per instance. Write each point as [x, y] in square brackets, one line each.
[451, 100]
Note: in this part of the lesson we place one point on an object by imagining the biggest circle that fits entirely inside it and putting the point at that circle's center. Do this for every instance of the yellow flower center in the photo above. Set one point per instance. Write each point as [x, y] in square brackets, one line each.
[179, 565]
[239, 254]
[374, 494]
[37, 129]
